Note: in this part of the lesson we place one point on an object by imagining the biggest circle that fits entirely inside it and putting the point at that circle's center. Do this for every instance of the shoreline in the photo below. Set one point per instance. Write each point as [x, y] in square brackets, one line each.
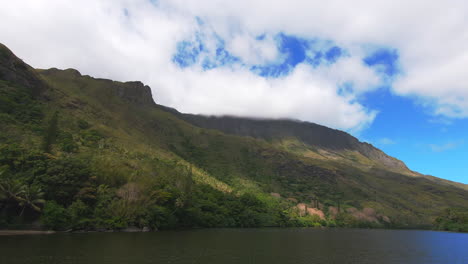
[16, 232]
[25, 232]
[12, 232]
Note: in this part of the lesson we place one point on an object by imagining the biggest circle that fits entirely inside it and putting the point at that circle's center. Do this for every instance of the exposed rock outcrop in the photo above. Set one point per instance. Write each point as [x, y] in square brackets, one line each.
[305, 209]
[135, 92]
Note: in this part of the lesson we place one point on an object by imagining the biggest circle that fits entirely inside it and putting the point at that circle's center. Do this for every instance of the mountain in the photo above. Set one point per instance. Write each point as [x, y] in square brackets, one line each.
[308, 139]
[86, 153]
[322, 141]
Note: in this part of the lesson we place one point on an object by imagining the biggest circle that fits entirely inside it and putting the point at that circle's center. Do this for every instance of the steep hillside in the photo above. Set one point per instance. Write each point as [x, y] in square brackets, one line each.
[86, 153]
[14, 70]
[309, 140]
[321, 140]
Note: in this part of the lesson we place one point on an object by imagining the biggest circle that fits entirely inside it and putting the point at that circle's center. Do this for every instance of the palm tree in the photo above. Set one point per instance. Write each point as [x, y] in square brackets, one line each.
[33, 198]
[12, 189]
[23, 195]
[3, 195]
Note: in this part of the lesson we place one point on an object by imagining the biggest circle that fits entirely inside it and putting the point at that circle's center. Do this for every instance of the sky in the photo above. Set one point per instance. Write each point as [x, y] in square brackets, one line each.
[392, 73]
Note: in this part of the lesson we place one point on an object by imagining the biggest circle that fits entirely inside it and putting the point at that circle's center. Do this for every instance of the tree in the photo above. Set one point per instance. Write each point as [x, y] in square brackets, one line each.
[79, 214]
[50, 133]
[452, 219]
[32, 197]
[338, 198]
[54, 216]
[67, 143]
[16, 192]
[12, 190]
[63, 179]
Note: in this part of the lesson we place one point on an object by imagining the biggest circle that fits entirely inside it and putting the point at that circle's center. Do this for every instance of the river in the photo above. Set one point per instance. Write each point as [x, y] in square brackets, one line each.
[269, 245]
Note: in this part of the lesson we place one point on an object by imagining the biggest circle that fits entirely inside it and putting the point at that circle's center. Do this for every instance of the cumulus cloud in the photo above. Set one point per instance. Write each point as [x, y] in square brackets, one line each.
[254, 50]
[137, 40]
[304, 94]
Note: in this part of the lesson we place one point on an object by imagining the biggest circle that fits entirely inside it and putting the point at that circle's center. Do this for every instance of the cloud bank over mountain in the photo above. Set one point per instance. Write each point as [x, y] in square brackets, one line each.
[310, 60]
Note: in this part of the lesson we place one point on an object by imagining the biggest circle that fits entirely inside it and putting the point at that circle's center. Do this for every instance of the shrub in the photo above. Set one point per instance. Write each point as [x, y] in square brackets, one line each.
[63, 179]
[79, 213]
[82, 124]
[54, 216]
[67, 143]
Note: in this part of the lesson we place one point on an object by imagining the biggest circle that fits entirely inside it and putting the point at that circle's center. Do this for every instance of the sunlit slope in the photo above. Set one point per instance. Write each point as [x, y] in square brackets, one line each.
[281, 166]
[309, 140]
[126, 137]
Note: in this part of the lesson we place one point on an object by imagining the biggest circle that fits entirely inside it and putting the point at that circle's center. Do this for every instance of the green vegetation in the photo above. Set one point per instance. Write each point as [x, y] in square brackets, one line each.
[76, 199]
[452, 219]
[90, 154]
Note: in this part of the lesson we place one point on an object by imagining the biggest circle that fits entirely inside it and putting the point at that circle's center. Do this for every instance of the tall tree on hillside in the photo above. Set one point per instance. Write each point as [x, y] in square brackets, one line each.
[50, 133]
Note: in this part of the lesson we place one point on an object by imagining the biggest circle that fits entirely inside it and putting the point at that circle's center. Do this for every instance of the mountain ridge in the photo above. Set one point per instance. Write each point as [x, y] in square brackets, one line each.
[224, 124]
[311, 133]
[122, 139]
[139, 93]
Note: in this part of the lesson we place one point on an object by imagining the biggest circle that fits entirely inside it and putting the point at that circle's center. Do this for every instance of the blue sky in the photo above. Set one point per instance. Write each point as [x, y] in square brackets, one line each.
[403, 128]
[426, 143]
[393, 77]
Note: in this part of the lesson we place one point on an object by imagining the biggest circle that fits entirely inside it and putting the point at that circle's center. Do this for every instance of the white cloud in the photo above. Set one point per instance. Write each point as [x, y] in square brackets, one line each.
[386, 141]
[98, 38]
[441, 120]
[446, 146]
[351, 69]
[304, 94]
[252, 50]
[431, 36]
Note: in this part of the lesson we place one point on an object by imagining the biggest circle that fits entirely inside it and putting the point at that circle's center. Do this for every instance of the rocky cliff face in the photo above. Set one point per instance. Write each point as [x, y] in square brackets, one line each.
[14, 70]
[135, 92]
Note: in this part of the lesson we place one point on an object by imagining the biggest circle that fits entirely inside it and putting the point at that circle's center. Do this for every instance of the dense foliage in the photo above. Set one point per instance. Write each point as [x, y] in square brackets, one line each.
[69, 196]
[81, 156]
[452, 219]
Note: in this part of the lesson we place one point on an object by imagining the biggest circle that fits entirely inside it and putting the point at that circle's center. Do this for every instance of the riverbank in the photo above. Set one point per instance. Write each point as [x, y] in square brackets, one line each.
[48, 232]
[25, 232]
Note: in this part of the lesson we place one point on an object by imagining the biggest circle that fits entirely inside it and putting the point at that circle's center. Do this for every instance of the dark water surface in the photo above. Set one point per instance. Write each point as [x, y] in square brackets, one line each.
[240, 246]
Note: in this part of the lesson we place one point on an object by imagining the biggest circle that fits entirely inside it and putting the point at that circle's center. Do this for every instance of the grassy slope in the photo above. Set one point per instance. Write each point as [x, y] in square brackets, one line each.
[138, 138]
[309, 140]
[238, 162]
